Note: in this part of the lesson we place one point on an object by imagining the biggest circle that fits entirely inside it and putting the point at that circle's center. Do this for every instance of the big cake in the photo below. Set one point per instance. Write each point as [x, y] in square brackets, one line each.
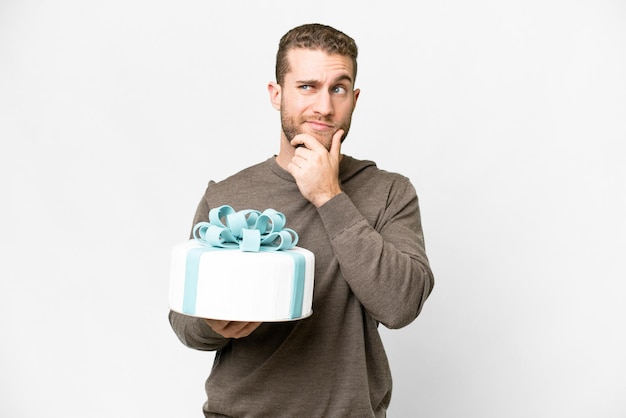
[242, 266]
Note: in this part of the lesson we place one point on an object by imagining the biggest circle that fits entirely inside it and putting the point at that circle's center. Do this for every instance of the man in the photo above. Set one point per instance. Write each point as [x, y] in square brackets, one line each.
[363, 225]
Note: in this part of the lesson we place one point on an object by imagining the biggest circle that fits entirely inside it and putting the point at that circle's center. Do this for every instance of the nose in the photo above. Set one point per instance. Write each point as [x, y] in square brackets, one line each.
[323, 103]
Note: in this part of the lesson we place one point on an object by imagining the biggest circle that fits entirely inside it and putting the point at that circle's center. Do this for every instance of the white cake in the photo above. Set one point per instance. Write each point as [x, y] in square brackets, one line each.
[230, 284]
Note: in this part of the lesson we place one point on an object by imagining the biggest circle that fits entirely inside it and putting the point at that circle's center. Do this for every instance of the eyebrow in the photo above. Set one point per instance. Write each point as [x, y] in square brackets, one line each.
[316, 82]
[344, 77]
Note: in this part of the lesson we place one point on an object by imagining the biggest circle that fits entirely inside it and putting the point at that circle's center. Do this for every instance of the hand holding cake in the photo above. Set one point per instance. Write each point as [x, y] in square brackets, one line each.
[232, 329]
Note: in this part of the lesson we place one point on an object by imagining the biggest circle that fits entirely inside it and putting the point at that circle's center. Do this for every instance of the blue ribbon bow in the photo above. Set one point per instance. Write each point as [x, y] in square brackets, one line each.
[248, 230]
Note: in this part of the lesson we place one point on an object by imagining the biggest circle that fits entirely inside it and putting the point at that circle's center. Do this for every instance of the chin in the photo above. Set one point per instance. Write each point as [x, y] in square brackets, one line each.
[325, 141]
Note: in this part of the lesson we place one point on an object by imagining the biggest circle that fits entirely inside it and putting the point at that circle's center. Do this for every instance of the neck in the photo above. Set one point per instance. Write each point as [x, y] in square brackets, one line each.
[286, 152]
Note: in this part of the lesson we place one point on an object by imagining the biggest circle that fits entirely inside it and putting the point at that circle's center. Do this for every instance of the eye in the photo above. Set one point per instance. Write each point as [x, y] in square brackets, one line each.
[339, 90]
[306, 87]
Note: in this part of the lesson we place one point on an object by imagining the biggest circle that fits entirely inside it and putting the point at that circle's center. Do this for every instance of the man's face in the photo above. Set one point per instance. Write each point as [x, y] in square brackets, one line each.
[317, 96]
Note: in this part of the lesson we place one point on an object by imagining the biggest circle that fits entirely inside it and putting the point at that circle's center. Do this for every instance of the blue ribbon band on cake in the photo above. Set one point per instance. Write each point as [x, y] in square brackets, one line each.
[247, 230]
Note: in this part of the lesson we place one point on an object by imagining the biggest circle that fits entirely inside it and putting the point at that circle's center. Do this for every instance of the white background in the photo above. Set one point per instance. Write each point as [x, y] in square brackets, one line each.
[509, 117]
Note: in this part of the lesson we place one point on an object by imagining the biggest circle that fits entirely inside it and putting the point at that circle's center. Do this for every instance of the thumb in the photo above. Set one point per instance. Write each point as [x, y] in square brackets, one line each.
[335, 145]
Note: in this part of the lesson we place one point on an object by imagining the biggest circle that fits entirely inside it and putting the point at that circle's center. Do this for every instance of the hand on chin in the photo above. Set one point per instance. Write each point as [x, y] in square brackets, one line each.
[324, 138]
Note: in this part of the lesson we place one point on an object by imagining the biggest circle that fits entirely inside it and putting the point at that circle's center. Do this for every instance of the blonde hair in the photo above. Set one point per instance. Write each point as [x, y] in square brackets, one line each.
[314, 36]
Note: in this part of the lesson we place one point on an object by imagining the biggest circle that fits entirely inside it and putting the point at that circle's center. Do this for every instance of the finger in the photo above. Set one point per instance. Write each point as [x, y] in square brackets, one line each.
[335, 145]
[217, 325]
[232, 329]
[298, 161]
[236, 329]
[306, 142]
[247, 329]
[299, 140]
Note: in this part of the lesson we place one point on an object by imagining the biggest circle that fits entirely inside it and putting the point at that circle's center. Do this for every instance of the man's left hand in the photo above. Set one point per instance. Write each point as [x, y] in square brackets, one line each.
[316, 169]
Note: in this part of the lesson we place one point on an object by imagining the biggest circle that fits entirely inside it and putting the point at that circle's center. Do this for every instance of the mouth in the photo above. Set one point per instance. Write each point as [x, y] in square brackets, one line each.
[319, 125]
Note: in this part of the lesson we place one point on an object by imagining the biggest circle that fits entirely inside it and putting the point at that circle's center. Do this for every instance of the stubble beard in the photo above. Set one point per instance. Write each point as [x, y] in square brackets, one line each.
[292, 127]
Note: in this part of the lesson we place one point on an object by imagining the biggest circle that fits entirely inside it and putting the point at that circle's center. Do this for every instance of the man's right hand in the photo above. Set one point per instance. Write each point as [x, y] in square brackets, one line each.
[232, 329]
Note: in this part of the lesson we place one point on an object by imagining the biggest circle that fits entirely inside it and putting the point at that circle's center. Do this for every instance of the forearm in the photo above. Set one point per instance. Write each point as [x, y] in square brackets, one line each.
[387, 270]
[196, 333]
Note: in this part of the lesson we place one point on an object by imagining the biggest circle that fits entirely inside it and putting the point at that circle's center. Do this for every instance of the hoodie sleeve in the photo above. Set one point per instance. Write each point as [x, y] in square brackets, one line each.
[194, 332]
[383, 260]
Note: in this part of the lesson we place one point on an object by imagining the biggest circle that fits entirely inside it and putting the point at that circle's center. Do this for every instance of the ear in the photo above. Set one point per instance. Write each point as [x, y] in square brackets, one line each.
[275, 92]
[356, 96]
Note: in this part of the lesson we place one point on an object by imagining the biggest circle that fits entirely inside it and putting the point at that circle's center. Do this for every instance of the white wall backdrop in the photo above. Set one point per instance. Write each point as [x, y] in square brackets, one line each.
[508, 116]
